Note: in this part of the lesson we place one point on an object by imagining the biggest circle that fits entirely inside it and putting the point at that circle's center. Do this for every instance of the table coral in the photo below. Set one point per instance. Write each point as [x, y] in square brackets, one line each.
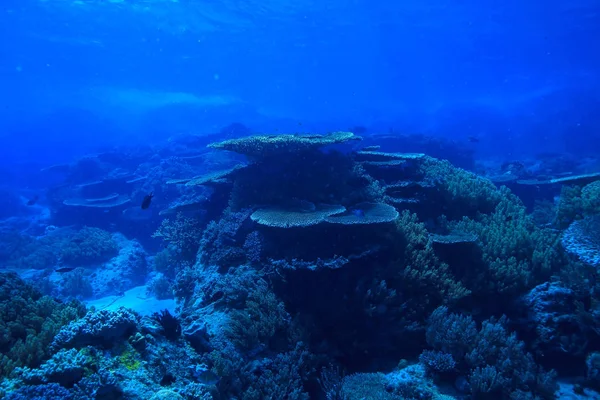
[275, 145]
[582, 239]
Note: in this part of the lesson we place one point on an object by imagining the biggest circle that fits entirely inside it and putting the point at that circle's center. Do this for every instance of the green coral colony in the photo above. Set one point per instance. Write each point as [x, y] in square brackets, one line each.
[322, 271]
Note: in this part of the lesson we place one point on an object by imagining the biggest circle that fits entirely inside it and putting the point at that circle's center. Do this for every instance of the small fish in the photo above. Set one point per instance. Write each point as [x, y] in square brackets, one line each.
[77, 240]
[62, 270]
[473, 139]
[147, 200]
[33, 200]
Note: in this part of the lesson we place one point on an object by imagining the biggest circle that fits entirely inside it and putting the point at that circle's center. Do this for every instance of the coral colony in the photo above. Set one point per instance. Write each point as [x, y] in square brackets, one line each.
[300, 267]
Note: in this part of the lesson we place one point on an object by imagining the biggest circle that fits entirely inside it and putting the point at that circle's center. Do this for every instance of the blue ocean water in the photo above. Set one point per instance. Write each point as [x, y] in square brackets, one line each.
[299, 199]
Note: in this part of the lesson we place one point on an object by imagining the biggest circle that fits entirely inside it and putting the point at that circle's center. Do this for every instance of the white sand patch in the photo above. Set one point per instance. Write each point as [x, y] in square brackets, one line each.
[135, 299]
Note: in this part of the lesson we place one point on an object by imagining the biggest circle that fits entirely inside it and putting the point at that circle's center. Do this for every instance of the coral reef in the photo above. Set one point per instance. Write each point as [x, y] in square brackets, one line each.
[305, 268]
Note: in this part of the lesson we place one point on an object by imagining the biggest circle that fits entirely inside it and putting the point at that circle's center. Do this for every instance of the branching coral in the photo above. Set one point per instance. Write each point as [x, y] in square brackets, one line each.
[577, 202]
[570, 206]
[29, 323]
[515, 253]
[278, 377]
[23, 251]
[263, 317]
[183, 234]
[437, 361]
[222, 242]
[89, 245]
[462, 190]
[424, 273]
[494, 359]
[253, 246]
[590, 198]
[86, 246]
[451, 333]
[230, 290]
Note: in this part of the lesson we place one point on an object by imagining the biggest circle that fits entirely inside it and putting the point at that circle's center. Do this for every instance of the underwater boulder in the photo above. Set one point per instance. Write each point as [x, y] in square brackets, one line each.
[555, 315]
[99, 328]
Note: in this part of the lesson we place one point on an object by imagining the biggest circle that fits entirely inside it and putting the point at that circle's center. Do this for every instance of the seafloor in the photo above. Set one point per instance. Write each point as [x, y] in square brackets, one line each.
[302, 267]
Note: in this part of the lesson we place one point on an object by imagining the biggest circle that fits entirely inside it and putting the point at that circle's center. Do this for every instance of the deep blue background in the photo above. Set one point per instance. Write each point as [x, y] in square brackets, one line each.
[520, 75]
